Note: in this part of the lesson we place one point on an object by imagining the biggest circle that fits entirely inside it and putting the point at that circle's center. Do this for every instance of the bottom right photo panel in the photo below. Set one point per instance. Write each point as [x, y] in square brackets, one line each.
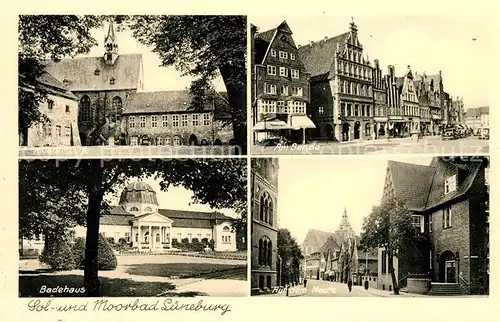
[407, 226]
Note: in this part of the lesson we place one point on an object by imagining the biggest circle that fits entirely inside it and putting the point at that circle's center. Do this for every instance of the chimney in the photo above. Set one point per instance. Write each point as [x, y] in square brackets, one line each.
[376, 63]
[391, 70]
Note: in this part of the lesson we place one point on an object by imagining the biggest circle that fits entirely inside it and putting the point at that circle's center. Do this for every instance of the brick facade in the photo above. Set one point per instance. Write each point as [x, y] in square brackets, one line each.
[264, 230]
[280, 82]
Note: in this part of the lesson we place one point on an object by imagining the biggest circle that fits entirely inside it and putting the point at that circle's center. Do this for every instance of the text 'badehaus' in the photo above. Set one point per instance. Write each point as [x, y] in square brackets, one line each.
[101, 100]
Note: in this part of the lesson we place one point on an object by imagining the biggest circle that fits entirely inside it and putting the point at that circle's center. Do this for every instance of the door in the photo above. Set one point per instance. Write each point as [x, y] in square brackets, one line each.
[450, 272]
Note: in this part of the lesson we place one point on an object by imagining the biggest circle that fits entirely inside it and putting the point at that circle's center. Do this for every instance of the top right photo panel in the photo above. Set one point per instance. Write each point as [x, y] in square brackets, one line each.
[370, 84]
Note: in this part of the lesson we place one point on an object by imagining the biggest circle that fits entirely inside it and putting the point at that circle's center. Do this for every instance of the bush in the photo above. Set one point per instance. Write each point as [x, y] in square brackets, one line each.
[175, 243]
[79, 252]
[57, 254]
[204, 241]
[185, 241]
[105, 256]
[110, 240]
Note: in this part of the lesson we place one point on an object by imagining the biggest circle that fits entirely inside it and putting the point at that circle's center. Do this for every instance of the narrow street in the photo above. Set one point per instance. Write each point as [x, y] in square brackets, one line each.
[321, 288]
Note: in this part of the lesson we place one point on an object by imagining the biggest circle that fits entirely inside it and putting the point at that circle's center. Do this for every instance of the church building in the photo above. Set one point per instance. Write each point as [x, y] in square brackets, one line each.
[264, 227]
[114, 109]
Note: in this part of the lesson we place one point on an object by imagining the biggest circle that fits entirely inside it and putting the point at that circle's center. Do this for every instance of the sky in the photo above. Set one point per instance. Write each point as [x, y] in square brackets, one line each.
[313, 191]
[155, 78]
[428, 43]
[175, 198]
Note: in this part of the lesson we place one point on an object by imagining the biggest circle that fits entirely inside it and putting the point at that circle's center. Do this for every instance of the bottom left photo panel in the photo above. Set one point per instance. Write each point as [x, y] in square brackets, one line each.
[133, 227]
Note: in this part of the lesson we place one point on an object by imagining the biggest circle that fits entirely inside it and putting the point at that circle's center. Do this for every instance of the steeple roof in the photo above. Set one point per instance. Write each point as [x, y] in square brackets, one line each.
[111, 32]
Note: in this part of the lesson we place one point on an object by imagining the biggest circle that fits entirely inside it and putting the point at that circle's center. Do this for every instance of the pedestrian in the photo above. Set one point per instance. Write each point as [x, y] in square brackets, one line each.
[349, 285]
[305, 282]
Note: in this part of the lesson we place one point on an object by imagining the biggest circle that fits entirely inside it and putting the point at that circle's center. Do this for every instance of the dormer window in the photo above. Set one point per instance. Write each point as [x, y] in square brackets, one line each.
[97, 72]
[273, 52]
[450, 184]
[112, 81]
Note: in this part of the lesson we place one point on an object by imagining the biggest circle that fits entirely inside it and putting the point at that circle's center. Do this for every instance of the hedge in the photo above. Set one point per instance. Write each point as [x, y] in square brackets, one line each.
[105, 255]
[57, 254]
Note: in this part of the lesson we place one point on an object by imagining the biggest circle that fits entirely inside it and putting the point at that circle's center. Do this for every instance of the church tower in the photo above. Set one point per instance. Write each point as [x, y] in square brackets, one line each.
[345, 230]
[110, 45]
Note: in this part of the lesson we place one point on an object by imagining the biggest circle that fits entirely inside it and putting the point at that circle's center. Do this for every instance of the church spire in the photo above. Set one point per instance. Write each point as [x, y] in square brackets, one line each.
[110, 45]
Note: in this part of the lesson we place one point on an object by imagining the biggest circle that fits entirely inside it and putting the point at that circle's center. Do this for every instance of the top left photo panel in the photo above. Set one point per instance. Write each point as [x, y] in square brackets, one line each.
[122, 85]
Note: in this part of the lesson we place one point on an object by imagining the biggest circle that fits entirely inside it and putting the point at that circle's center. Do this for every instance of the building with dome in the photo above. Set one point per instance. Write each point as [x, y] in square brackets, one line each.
[139, 220]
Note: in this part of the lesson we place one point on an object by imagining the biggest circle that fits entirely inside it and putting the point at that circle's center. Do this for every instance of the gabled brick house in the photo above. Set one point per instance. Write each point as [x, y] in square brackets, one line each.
[280, 85]
[449, 203]
[342, 104]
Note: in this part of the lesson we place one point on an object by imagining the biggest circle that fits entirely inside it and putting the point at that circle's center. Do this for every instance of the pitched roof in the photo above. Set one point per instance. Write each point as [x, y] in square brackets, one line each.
[484, 110]
[318, 237]
[466, 173]
[116, 216]
[411, 183]
[330, 246]
[181, 218]
[80, 72]
[167, 101]
[472, 112]
[262, 41]
[55, 86]
[319, 56]
[421, 187]
[193, 219]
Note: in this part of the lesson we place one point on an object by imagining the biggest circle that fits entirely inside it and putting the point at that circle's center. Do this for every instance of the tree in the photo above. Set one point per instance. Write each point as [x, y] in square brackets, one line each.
[220, 183]
[389, 227]
[43, 37]
[291, 256]
[204, 47]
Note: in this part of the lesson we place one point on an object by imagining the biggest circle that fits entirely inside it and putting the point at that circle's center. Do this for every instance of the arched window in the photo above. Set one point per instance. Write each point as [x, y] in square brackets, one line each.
[168, 141]
[159, 141]
[85, 112]
[177, 140]
[148, 209]
[134, 209]
[270, 209]
[262, 206]
[117, 105]
[269, 253]
[261, 249]
[136, 237]
[146, 237]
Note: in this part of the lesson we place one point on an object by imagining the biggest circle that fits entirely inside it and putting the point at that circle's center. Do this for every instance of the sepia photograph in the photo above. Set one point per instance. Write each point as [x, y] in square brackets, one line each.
[142, 85]
[406, 226]
[369, 84]
[133, 228]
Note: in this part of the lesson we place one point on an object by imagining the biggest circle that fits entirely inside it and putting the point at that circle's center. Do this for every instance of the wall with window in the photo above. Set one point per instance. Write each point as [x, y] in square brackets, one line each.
[191, 232]
[281, 77]
[450, 231]
[62, 127]
[224, 237]
[94, 107]
[176, 129]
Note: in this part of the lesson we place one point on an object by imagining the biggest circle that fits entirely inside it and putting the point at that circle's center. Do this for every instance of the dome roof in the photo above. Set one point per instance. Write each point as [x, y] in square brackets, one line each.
[138, 192]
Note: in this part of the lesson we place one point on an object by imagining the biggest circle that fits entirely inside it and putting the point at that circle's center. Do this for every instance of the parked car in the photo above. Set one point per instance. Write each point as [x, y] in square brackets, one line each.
[485, 133]
[273, 141]
[449, 134]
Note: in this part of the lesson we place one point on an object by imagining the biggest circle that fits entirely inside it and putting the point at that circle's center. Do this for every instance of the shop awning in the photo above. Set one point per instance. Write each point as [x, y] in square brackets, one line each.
[302, 122]
[274, 124]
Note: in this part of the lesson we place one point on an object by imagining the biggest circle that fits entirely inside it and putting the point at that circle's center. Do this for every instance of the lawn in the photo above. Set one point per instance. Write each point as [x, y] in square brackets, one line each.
[30, 286]
[191, 270]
